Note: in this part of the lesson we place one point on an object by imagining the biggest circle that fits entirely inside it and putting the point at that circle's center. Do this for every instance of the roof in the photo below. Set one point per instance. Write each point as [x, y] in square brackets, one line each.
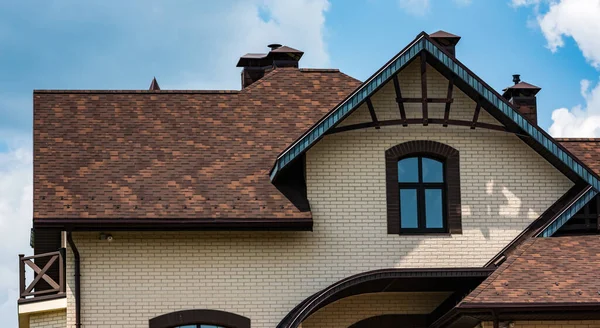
[444, 35]
[544, 270]
[174, 154]
[586, 149]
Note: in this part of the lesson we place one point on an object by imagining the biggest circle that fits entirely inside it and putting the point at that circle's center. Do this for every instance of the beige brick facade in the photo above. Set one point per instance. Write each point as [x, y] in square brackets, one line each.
[54, 319]
[350, 310]
[263, 275]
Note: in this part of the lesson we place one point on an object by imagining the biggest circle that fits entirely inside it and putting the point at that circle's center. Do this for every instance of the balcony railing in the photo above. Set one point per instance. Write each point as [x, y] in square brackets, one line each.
[48, 276]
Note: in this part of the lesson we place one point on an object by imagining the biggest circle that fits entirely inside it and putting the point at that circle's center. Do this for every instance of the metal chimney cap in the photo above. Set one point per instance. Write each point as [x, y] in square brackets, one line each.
[516, 78]
[274, 46]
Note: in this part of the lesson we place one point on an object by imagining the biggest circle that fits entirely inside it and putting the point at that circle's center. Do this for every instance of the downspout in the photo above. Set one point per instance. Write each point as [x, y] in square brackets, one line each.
[77, 280]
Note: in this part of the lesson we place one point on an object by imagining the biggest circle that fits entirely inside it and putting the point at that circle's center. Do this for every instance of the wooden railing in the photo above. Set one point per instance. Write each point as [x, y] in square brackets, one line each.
[44, 285]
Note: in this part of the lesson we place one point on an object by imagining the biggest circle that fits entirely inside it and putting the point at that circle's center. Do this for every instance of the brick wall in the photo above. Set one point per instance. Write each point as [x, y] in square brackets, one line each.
[263, 275]
[350, 310]
[54, 319]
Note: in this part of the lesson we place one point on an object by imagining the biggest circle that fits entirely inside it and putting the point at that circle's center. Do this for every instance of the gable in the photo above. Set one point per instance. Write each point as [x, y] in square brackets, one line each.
[467, 81]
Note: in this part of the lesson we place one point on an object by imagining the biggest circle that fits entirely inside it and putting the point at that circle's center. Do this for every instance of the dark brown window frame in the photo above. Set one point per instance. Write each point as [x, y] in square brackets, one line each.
[424, 148]
[197, 317]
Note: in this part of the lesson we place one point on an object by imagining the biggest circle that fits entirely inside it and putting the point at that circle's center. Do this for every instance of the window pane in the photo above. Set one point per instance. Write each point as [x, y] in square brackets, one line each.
[433, 171]
[408, 170]
[433, 208]
[408, 208]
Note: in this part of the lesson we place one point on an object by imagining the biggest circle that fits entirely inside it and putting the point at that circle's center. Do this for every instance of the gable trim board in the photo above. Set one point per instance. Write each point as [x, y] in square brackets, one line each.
[567, 213]
[543, 143]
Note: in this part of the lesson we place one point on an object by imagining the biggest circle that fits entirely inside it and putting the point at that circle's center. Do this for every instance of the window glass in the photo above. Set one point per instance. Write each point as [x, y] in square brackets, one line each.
[433, 208]
[408, 170]
[408, 208]
[433, 170]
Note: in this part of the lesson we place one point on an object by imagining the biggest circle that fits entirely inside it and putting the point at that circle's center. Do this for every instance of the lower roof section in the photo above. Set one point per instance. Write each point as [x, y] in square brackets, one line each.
[547, 272]
[161, 224]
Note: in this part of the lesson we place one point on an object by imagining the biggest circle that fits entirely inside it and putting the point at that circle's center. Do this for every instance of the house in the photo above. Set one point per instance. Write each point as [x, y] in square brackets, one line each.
[420, 197]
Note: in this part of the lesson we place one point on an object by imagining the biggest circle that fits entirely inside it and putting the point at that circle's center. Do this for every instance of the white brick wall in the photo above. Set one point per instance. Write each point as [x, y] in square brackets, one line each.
[54, 319]
[351, 310]
[263, 275]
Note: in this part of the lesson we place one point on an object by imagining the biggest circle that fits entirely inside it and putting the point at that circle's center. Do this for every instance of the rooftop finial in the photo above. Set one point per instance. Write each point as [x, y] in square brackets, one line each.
[154, 85]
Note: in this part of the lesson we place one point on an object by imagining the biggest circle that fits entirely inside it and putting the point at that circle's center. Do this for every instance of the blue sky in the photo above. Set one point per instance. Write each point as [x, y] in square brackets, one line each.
[72, 44]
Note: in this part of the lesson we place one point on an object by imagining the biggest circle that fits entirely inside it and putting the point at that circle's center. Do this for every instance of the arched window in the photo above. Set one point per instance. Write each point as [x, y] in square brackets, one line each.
[423, 188]
[200, 319]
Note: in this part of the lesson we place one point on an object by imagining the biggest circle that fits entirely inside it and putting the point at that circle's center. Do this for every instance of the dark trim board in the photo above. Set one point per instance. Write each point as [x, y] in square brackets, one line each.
[175, 224]
[531, 311]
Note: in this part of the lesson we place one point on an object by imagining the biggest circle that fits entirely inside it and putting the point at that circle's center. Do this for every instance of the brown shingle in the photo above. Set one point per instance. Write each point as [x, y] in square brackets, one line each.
[545, 270]
[170, 154]
[586, 149]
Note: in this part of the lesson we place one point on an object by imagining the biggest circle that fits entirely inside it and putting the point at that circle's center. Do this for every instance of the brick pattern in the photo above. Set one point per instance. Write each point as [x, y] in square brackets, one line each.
[350, 310]
[54, 319]
[166, 154]
[551, 324]
[547, 270]
[505, 185]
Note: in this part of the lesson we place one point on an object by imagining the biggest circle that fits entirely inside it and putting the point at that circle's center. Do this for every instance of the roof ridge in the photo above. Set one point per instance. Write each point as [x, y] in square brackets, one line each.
[567, 139]
[320, 70]
[82, 91]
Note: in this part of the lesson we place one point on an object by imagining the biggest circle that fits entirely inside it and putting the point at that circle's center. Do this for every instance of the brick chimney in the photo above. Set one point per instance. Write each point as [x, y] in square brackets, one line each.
[522, 95]
[447, 40]
[256, 65]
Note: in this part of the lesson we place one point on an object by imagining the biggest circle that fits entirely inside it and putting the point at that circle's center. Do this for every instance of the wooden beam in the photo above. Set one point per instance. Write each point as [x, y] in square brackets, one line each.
[429, 100]
[449, 96]
[399, 99]
[413, 121]
[424, 86]
[372, 112]
[476, 115]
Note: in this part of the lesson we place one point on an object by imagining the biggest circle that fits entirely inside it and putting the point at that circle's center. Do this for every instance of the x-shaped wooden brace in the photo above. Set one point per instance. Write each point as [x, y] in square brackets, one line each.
[41, 274]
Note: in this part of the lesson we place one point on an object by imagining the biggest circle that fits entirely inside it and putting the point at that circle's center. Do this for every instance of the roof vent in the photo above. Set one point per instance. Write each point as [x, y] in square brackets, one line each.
[447, 40]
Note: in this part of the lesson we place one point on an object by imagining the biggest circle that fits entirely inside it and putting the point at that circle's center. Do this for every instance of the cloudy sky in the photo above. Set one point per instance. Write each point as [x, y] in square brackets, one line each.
[72, 44]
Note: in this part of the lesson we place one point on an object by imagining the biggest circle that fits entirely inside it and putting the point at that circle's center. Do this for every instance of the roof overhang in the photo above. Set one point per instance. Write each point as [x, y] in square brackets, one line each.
[531, 311]
[158, 224]
[456, 280]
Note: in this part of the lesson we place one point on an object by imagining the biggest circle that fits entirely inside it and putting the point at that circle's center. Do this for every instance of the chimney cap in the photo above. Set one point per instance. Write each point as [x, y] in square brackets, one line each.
[274, 46]
[445, 37]
[522, 86]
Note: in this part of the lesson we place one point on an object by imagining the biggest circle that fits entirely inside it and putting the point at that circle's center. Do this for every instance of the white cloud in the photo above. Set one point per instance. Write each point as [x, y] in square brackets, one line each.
[415, 7]
[577, 19]
[579, 121]
[16, 193]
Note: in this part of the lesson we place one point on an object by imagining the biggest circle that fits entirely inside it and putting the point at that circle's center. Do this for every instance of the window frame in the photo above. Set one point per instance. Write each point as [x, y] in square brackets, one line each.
[451, 199]
[420, 186]
[199, 317]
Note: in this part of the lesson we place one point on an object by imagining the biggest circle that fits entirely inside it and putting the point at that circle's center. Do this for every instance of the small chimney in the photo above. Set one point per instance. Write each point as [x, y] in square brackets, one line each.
[523, 96]
[447, 40]
[256, 65]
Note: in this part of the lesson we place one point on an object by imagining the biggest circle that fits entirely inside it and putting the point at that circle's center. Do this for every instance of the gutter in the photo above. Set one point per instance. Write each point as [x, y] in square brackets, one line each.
[77, 275]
